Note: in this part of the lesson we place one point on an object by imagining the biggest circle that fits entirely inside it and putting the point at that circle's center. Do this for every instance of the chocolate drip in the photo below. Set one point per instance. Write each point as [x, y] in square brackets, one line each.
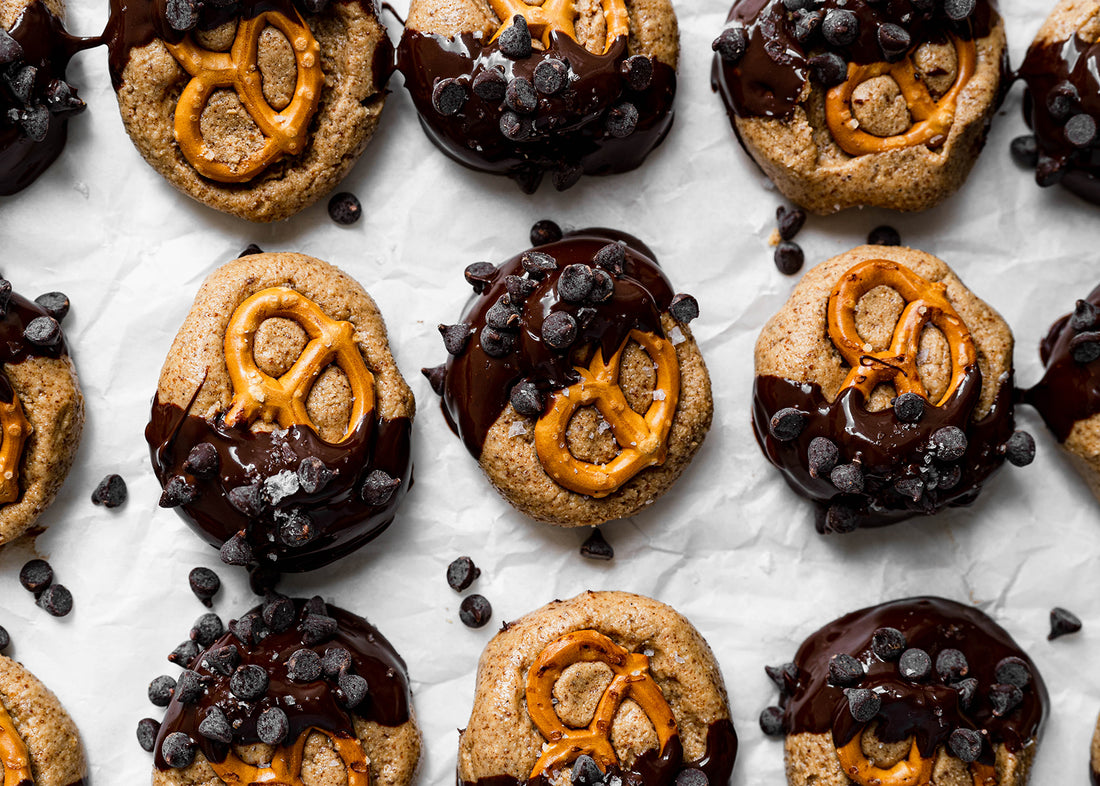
[316, 704]
[1069, 391]
[929, 711]
[566, 132]
[476, 386]
[653, 768]
[769, 79]
[342, 519]
[887, 450]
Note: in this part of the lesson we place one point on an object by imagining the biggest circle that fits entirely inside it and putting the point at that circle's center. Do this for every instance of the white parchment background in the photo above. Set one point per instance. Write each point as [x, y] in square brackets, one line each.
[731, 547]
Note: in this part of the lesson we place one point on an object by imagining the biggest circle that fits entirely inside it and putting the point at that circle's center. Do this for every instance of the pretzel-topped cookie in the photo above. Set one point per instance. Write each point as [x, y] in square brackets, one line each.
[285, 132]
[560, 16]
[14, 756]
[643, 439]
[285, 767]
[913, 770]
[14, 429]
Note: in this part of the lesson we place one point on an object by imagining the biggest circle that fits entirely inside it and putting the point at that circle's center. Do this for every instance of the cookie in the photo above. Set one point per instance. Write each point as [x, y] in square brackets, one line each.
[1062, 102]
[884, 389]
[41, 411]
[574, 380]
[297, 691]
[1094, 757]
[917, 691]
[36, 100]
[858, 102]
[606, 680]
[1068, 396]
[39, 740]
[280, 428]
[254, 108]
[561, 88]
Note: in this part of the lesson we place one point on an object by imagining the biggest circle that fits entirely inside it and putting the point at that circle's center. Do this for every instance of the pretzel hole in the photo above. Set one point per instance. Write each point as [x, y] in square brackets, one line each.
[229, 133]
[937, 65]
[591, 26]
[1089, 32]
[278, 69]
[877, 315]
[578, 691]
[278, 344]
[321, 763]
[632, 733]
[218, 39]
[880, 107]
[883, 755]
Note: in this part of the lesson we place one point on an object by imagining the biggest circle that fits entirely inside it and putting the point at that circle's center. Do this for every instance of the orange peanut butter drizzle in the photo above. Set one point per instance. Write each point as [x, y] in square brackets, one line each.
[13, 753]
[285, 767]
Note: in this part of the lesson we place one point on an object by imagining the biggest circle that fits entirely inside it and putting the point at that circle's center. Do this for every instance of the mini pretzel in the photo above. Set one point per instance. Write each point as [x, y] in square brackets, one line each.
[284, 132]
[643, 439]
[926, 303]
[283, 400]
[632, 680]
[285, 768]
[912, 771]
[14, 429]
[13, 753]
[932, 119]
[560, 15]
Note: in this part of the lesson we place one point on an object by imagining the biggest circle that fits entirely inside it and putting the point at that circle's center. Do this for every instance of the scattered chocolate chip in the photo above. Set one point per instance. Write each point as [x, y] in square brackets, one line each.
[304, 666]
[888, 643]
[436, 375]
[909, 407]
[965, 744]
[202, 461]
[637, 70]
[160, 690]
[595, 546]
[250, 250]
[1062, 99]
[207, 629]
[379, 487]
[551, 75]
[178, 491]
[864, 704]
[36, 575]
[841, 27]
[772, 722]
[951, 665]
[335, 661]
[111, 492]
[489, 85]
[847, 478]
[894, 40]
[495, 343]
[56, 600]
[621, 120]
[455, 337]
[790, 221]
[313, 475]
[475, 611]
[10, 49]
[586, 772]
[883, 236]
[537, 263]
[841, 519]
[958, 10]
[1004, 698]
[845, 671]
[968, 690]
[204, 583]
[1062, 623]
[515, 41]
[248, 629]
[43, 332]
[224, 660]
[520, 96]
[684, 308]
[236, 550]
[545, 231]
[5, 638]
[949, 443]
[448, 97]
[461, 573]
[354, 689]
[611, 258]
[55, 304]
[1081, 130]
[318, 628]
[189, 687]
[344, 208]
[181, 14]
[1020, 449]
[787, 424]
[821, 456]
[479, 275]
[789, 257]
[731, 44]
[1013, 671]
[248, 683]
[514, 127]
[147, 731]
[272, 726]
[183, 654]
[178, 751]
[784, 676]
[559, 330]
[575, 283]
[915, 665]
[215, 726]
[1025, 151]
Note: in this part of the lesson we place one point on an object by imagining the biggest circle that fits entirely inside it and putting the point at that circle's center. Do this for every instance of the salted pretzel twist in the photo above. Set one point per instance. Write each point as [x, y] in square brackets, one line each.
[285, 767]
[560, 16]
[14, 429]
[14, 757]
[914, 770]
[632, 680]
[643, 439]
[284, 131]
[926, 303]
[932, 119]
[283, 400]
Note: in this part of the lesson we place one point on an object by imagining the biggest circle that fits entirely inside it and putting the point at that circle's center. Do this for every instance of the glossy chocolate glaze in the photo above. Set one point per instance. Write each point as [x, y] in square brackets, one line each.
[929, 711]
[887, 449]
[768, 80]
[47, 47]
[567, 130]
[14, 347]
[1069, 391]
[316, 704]
[343, 520]
[1048, 65]
[476, 387]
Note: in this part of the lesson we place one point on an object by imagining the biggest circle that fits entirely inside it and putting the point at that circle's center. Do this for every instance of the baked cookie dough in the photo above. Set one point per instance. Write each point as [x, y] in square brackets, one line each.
[254, 108]
[917, 691]
[1094, 757]
[857, 102]
[41, 411]
[313, 694]
[574, 380]
[1062, 103]
[1068, 396]
[606, 680]
[884, 389]
[280, 428]
[38, 740]
[565, 87]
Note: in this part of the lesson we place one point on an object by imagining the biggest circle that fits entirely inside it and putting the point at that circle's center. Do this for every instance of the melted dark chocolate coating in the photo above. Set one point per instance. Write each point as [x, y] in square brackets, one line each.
[14, 347]
[476, 386]
[929, 711]
[1069, 391]
[316, 704]
[1046, 67]
[566, 131]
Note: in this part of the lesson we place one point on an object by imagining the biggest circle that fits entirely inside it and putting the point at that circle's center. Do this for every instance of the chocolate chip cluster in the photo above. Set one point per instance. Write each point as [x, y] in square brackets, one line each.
[30, 98]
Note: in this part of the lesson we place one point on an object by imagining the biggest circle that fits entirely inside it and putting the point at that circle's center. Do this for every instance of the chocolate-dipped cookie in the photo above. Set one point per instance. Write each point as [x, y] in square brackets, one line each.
[566, 87]
[574, 380]
[607, 687]
[36, 101]
[1062, 102]
[295, 692]
[280, 428]
[917, 691]
[1094, 757]
[884, 389]
[41, 408]
[39, 743]
[1068, 396]
[254, 108]
[858, 102]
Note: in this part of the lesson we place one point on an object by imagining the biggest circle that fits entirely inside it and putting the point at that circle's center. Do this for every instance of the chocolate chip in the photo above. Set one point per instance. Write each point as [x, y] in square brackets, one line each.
[1049, 171]
[494, 343]
[559, 330]
[280, 614]
[515, 41]
[56, 600]
[520, 96]
[787, 424]
[43, 332]
[1013, 671]
[236, 550]
[864, 704]
[545, 231]
[55, 304]
[1020, 449]
[178, 751]
[178, 491]
[344, 208]
[912, 488]
[189, 687]
[455, 337]
[684, 308]
[968, 690]
[304, 666]
[379, 488]
[637, 70]
[215, 726]
[894, 40]
[247, 499]
[448, 97]
[5, 638]
[479, 275]
[567, 177]
[204, 583]
[537, 263]
[888, 643]
[502, 315]
[883, 236]
[147, 731]
[335, 661]
[603, 286]
[586, 772]
[202, 461]
[915, 665]
[784, 676]
[10, 49]
[951, 665]
[489, 85]
[519, 288]
[958, 10]
[621, 120]
[909, 407]
[1025, 151]
[36, 575]
[461, 573]
[248, 683]
[1062, 623]
[436, 377]
[296, 528]
[318, 628]
[949, 443]
[514, 127]
[1004, 698]
[526, 399]
[773, 722]
[841, 519]
[61, 99]
[788, 257]
[847, 478]
[5, 295]
[160, 690]
[225, 659]
[790, 221]
[821, 456]
[551, 75]
[965, 744]
[248, 629]
[272, 727]
[207, 629]
[21, 81]
[475, 611]
[806, 23]
[1081, 130]
[1062, 99]
[691, 777]
[1085, 346]
[595, 546]
[250, 250]
[731, 44]
[841, 27]
[354, 689]
[575, 283]
[1085, 316]
[611, 258]
[949, 477]
[315, 605]
[845, 671]
[313, 474]
[181, 14]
